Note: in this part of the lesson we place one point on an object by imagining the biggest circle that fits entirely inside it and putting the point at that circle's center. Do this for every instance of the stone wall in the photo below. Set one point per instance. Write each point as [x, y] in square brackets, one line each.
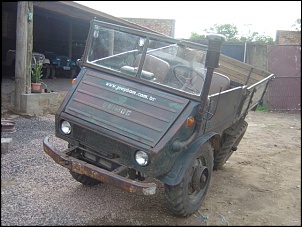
[34, 103]
[164, 26]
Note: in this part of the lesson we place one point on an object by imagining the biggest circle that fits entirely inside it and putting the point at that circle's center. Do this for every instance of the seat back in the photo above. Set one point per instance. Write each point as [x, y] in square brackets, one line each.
[219, 83]
[155, 65]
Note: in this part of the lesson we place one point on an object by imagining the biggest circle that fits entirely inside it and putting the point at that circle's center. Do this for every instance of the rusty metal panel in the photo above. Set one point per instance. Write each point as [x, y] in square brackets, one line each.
[224, 109]
[284, 61]
[285, 94]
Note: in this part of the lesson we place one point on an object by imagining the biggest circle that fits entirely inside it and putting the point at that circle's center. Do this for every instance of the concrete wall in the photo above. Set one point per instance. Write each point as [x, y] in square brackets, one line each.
[257, 56]
[33, 104]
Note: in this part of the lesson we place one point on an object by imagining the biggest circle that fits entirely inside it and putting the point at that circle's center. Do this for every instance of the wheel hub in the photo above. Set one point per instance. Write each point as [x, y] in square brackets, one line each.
[200, 177]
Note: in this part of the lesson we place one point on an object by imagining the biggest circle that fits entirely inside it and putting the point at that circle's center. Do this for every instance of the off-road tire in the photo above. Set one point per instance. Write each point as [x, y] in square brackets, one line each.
[52, 72]
[73, 73]
[182, 199]
[85, 180]
[232, 138]
[46, 72]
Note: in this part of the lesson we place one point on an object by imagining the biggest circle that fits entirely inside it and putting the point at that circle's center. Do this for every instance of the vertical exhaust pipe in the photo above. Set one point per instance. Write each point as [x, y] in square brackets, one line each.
[215, 42]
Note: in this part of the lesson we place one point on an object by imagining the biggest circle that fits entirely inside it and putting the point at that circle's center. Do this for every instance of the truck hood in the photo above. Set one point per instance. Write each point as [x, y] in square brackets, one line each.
[125, 107]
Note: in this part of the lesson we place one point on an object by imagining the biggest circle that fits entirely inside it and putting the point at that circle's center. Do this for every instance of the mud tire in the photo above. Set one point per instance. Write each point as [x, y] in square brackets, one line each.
[232, 138]
[85, 180]
[183, 200]
[73, 73]
[46, 72]
[52, 72]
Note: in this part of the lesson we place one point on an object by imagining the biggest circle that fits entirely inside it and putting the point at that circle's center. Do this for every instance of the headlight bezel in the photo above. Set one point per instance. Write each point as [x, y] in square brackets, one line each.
[65, 127]
[142, 158]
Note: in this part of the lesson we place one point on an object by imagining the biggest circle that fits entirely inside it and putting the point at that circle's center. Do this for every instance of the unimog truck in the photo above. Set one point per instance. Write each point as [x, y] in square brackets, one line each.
[147, 106]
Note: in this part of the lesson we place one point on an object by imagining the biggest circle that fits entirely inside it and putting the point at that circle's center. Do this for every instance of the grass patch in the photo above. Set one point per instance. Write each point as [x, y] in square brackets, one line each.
[262, 108]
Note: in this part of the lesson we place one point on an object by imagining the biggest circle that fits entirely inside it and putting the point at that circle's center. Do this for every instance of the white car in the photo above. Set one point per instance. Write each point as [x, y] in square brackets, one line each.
[40, 58]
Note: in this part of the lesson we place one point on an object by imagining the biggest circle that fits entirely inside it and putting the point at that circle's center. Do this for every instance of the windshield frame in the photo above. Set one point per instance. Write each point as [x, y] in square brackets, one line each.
[148, 36]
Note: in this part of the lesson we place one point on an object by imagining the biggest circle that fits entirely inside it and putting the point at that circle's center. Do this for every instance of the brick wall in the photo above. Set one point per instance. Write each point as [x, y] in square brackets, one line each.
[288, 37]
[164, 26]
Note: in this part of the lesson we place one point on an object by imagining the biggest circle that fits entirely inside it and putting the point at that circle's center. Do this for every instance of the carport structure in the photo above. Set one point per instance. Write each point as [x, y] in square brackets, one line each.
[56, 26]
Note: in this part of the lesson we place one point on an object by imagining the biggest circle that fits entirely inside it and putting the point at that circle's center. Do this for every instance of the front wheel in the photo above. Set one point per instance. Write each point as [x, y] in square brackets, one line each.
[52, 72]
[186, 197]
[72, 73]
[85, 180]
[46, 71]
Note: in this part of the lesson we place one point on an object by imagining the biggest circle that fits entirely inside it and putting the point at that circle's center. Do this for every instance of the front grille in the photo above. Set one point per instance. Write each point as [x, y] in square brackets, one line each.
[102, 143]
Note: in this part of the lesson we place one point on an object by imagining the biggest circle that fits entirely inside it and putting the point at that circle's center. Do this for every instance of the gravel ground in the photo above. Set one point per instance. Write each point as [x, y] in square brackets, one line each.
[37, 191]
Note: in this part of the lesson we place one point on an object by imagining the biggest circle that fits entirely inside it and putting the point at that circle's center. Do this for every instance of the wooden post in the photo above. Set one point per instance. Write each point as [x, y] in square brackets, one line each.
[29, 45]
[21, 52]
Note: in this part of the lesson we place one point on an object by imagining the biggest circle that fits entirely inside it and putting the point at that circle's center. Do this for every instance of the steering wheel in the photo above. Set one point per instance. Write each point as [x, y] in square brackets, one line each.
[188, 77]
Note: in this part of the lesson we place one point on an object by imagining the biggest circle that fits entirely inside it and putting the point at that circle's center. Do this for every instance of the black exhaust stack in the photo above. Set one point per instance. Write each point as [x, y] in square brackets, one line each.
[215, 42]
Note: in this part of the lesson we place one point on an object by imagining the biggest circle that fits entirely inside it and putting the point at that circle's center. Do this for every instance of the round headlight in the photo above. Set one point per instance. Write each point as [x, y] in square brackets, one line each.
[65, 127]
[141, 158]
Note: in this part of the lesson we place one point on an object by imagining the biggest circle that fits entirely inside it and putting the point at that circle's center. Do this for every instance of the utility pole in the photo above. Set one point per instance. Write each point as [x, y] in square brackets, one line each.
[23, 50]
[29, 45]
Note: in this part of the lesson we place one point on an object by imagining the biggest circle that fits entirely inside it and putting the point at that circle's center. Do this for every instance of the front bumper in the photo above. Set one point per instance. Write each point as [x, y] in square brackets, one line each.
[97, 173]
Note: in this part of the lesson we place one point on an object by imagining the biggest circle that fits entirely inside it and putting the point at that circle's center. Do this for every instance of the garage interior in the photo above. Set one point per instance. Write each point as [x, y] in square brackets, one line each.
[58, 26]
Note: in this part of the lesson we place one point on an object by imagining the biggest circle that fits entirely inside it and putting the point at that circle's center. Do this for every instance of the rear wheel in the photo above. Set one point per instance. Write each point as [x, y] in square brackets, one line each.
[186, 197]
[231, 139]
[85, 180]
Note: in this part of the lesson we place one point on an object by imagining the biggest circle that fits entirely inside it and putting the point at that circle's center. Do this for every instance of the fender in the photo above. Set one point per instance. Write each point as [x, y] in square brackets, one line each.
[178, 171]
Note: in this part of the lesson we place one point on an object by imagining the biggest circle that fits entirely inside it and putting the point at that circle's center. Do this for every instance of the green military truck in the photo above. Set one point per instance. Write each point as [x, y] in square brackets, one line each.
[146, 106]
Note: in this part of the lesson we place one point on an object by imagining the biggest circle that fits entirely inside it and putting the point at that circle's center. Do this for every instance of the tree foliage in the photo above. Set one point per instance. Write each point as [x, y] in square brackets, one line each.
[231, 33]
[228, 30]
[297, 25]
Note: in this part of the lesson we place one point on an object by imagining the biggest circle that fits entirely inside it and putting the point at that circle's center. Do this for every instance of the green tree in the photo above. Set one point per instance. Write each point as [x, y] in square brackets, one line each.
[196, 36]
[231, 33]
[264, 39]
[250, 38]
[228, 30]
[297, 25]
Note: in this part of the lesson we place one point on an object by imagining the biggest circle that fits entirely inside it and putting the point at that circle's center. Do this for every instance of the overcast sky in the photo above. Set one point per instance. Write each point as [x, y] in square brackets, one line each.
[264, 17]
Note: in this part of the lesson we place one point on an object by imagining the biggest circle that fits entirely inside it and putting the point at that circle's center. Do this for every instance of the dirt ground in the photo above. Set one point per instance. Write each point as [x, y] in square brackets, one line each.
[261, 182]
[259, 185]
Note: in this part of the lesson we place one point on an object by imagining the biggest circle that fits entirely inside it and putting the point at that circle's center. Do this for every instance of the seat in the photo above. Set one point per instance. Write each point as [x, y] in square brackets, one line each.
[155, 65]
[219, 83]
